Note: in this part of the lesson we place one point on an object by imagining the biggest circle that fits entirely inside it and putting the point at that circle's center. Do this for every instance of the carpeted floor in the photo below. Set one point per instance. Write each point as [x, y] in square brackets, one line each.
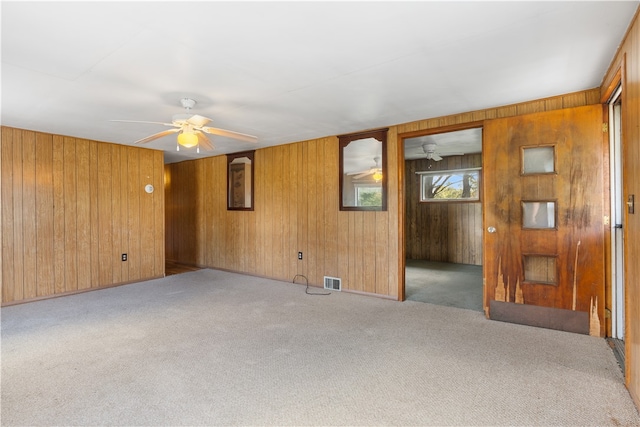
[216, 348]
[444, 283]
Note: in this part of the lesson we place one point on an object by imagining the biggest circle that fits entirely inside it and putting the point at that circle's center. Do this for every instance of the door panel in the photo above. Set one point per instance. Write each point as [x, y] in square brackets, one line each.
[558, 271]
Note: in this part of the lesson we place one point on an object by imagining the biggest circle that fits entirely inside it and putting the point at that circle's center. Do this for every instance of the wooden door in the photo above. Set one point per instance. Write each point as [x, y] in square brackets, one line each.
[543, 219]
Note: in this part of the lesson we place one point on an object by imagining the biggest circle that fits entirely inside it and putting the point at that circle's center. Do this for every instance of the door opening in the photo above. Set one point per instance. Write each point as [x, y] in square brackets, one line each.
[617, 216]
[443, 217]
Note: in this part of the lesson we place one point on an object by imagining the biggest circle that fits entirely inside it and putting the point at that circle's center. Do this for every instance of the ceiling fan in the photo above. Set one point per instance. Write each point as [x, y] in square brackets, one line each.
[376, 171]
[191, 129]
[431, 152]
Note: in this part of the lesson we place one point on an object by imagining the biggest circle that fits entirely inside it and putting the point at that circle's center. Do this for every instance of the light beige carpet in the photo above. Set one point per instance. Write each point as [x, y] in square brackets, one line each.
[216, 348]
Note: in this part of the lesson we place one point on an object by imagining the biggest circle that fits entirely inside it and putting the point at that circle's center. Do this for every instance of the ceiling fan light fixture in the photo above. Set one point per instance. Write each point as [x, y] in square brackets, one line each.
[377, 175]
[187, 139]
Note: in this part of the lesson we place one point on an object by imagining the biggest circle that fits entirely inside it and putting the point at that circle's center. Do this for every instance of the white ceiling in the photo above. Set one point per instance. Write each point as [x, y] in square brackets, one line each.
[291, 71]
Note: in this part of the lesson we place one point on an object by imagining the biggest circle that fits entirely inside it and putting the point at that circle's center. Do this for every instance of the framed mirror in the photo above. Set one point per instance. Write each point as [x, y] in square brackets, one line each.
[363, 171]
[240, 181]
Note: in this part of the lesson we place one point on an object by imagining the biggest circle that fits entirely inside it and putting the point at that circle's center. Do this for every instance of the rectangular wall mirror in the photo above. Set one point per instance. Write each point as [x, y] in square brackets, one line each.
[363, 171]
[240, 181]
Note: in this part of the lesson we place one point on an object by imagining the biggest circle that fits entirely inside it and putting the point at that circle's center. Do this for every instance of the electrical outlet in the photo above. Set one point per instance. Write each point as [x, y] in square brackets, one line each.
[124, 257]
[299, 255]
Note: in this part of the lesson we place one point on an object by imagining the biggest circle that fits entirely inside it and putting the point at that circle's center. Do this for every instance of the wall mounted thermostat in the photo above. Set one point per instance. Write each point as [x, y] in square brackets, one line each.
[148, 188]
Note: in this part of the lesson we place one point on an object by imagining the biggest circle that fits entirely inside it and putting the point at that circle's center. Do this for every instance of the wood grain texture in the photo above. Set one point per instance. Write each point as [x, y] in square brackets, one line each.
[58, 215]
[87, 214]
[70, 215]
[295, 210]
[8, 222]
[578, 188]
[65, 213]
[44, 216]
[446, 232]
[29, 213]
[114, 252]
[626, 64]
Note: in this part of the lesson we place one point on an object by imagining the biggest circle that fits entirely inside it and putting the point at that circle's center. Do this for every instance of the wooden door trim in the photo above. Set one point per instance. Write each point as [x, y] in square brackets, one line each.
[440, 129]
[402, 186]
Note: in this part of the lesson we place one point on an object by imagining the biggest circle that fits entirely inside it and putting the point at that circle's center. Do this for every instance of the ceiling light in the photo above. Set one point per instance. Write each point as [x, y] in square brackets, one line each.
[187, 139]
[377, 175]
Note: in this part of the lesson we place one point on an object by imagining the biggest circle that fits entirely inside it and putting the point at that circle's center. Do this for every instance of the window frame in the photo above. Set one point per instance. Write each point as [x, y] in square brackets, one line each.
[423, 174]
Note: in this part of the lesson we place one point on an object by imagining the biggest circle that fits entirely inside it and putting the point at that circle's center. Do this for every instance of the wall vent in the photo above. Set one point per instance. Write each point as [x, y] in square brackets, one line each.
[332, 283]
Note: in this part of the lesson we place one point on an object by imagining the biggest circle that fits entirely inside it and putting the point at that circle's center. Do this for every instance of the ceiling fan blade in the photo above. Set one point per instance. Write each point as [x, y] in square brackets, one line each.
[139, 121]
[436, 157]
[362, 175]
[366, 171]
[229, 134]
[204, 142]
[198, 121]
[156, 136]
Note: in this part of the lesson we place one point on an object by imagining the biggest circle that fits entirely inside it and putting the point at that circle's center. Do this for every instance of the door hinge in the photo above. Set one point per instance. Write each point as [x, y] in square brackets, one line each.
[605, 127]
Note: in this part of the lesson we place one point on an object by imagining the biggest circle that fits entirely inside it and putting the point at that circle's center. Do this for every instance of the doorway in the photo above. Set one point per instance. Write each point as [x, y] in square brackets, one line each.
[616, 234]
[443, 218]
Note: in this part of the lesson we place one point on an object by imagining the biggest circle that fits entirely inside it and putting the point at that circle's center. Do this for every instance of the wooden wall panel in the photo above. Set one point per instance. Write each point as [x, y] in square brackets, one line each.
[133, 188]
[124, 212]
[44, 215]
[87, 215]
[199, 219]
[446, 232]
[114, 252]
[91, 176]
[157, 214]
[29, 213]
[70, 216]
[104, 227]
[146, 213]
[627, 62]
[18, 219]
[296, 209]
[66, 214]
[58, 216]
[6, 207]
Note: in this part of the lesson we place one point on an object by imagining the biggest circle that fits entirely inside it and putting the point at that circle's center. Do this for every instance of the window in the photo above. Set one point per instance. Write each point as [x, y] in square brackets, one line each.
[538, 160]
[450, 185]
[541, 269]
[539, 214]
[368, 195]
[240, 181]
[363, 171]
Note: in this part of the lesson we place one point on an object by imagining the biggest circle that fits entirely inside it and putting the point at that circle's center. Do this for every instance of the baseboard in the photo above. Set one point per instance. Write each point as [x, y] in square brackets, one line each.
[79, 291]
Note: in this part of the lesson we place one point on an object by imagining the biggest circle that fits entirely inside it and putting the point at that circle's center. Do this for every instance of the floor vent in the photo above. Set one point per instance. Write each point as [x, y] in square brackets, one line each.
[332, 283]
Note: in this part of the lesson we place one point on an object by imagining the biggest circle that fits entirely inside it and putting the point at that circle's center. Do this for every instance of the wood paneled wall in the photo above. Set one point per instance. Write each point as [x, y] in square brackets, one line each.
[627, 63]
[447, 232]
[70, 208]
[296, 210]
